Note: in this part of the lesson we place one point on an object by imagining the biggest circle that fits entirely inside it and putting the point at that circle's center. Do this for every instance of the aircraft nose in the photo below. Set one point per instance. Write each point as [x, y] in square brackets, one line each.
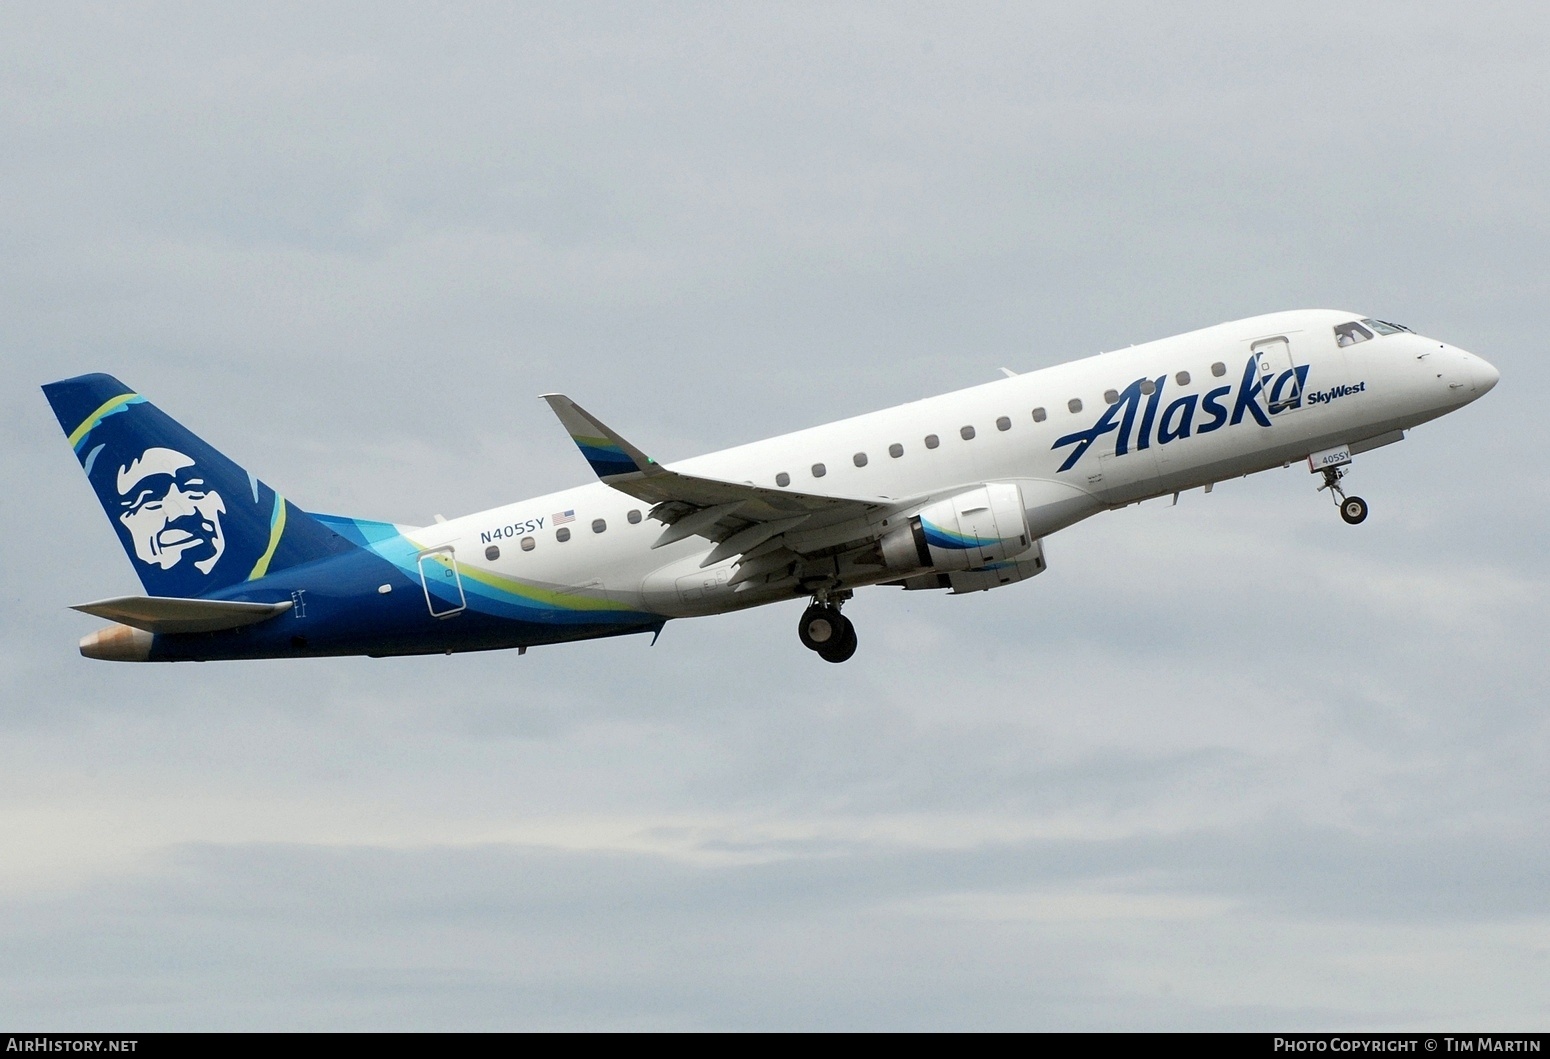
[1483, 375]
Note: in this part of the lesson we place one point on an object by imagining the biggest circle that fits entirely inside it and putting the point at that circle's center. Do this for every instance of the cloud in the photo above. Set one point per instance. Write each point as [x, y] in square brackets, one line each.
[1064, 933]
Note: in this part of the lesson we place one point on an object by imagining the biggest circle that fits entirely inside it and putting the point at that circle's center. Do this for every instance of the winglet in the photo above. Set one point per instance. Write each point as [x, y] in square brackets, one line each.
[609, 454]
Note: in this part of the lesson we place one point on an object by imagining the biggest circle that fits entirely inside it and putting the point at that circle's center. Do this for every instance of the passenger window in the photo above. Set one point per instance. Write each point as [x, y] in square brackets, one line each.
[528, 543]
[859, 459]
[1148, 387]
[896, 450]
[1075, 404]
[1111, 396]
[819, 470]
[783, 479]
[966, 433]
[1003, 423]
[932, 441]
[1218, 369]
[1182, 378]
[1350, 334]
[598, 525]
[634, 517]
[492, 553]
[562, 534]
[1039, 415]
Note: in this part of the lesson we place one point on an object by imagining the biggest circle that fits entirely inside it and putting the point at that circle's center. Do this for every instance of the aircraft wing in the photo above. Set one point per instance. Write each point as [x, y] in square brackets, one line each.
[761, 524]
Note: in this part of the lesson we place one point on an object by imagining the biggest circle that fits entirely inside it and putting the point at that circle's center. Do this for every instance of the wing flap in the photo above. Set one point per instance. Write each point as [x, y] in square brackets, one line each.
[169, 614]
[694, 522]
[750, 537]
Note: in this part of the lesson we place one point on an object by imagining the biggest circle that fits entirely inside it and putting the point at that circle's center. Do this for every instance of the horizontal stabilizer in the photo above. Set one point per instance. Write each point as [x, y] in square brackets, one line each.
[168, 614]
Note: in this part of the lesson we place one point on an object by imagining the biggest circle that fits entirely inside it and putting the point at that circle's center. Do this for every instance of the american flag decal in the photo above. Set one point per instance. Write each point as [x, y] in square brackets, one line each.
[560, 518]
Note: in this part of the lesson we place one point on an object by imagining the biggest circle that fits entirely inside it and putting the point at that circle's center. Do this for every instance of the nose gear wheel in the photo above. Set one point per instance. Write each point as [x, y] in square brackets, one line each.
[1352, 508]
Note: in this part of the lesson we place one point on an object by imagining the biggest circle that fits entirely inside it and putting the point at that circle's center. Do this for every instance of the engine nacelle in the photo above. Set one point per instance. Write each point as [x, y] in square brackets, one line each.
[970, 531]
[1029, 564]
[1007, 572]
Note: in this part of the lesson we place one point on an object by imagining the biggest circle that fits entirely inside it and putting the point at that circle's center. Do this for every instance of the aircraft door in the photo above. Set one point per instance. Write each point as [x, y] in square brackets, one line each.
[1278, 375]
[443, 586]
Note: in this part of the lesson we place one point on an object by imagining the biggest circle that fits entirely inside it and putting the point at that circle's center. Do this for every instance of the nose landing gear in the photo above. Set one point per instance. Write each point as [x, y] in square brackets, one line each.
[1352, 508]
[827, 632]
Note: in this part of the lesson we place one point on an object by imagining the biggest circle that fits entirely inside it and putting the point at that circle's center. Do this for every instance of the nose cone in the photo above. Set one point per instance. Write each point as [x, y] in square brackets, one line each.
[1482, 375]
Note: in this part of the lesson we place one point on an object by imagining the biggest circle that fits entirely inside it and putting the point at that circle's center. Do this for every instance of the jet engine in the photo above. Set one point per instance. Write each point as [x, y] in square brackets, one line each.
[970, 531]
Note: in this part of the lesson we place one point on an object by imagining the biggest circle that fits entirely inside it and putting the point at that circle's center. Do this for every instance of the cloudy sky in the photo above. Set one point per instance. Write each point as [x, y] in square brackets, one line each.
[1230, 764]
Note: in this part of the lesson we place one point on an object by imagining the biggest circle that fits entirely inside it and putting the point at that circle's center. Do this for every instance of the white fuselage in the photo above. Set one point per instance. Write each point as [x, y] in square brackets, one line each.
[1187, 432]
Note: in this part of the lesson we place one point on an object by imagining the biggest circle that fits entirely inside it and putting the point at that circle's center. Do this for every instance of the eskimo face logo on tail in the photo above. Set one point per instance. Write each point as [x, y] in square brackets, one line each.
[1258, 397]
[170, 512]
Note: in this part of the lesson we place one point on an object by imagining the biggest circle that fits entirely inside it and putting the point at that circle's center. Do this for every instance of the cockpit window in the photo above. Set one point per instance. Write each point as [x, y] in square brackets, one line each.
[1385, 328]
[1350, 334]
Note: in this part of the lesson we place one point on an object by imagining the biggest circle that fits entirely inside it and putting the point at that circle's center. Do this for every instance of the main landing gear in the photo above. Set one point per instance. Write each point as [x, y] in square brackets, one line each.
[824, 630]
[1352, 508]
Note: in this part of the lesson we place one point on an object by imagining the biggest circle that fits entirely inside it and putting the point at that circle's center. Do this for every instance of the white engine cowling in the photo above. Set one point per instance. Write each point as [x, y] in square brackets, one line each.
[1007, 572]
[1029, 564]
[969, 531]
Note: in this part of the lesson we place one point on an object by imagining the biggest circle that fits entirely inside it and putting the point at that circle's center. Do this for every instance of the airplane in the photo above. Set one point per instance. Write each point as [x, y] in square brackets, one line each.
[953, 493]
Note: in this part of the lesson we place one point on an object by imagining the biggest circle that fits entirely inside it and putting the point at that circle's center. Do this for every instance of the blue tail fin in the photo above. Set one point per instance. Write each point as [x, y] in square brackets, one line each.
[192, 521]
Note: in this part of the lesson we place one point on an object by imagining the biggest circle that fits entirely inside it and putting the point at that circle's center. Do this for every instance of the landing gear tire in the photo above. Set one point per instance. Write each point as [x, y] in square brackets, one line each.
[1353, 509]
[828, 633]
[819, 627]
[841, 648]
